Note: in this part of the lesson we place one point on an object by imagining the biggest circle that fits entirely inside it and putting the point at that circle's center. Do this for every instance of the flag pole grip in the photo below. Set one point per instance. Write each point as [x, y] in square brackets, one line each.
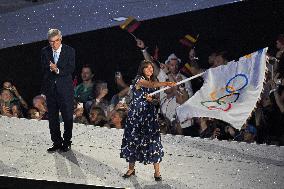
[178, 83]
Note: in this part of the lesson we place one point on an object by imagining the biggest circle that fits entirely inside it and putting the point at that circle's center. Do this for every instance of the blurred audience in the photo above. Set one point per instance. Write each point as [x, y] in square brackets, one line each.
[91, 105]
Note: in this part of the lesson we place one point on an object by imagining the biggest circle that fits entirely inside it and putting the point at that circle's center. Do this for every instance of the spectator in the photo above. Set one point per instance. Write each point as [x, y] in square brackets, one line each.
[276, 127]
[122, 105]
[119, 81]
[220, 59]
[206, 130]
[172, 65]
[33, 113]
[8, 85]
[279, 78]
[201, 128]
[197, 82]
[173, 98]
[169, 103]
[16, 111]
[97, 116]
[168, 71]
[269, 117]
[247, 133]
[192, 55]
[211, 58]
[117, 119]
[222, 130]
[123, 95]
[279, 97]
[100, 92]
[84, 91]
[39, 103]
[7, 101]
[260, 116]
[79, 114]
[231, 132]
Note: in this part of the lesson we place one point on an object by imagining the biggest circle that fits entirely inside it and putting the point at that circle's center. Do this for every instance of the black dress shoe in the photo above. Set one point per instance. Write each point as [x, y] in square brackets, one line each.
[129, 175]
[65, 147]
[54, 148]
[159, 178]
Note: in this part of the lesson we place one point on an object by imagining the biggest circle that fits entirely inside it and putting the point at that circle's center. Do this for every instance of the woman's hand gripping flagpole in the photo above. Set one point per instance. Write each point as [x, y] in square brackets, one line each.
[178, 83]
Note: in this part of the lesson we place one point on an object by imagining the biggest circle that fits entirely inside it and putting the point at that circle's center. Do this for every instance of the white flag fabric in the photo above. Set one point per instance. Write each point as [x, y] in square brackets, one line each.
[229, 92]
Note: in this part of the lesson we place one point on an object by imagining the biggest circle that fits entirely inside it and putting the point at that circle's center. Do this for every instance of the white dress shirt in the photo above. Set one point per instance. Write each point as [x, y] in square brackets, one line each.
[57, 53]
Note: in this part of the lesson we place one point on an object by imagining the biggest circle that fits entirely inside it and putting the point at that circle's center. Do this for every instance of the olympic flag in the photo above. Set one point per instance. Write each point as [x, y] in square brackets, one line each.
[229, 92]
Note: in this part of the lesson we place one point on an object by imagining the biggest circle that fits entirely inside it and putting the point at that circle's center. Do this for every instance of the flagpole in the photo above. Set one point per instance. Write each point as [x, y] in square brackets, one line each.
[178, 83]
[272, 72]
[133, 35]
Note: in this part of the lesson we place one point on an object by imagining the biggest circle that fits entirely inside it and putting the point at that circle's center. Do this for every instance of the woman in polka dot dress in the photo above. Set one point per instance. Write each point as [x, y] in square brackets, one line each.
[142, 140]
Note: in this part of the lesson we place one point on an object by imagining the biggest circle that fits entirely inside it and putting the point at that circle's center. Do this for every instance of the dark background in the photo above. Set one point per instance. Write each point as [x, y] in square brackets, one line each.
[238, 28]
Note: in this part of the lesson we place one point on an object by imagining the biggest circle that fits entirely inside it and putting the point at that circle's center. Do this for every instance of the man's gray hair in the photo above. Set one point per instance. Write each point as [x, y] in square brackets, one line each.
[53, 32]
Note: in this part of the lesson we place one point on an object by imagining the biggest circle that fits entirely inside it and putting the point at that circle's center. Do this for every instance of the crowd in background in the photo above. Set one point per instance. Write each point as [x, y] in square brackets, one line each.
[266, 124]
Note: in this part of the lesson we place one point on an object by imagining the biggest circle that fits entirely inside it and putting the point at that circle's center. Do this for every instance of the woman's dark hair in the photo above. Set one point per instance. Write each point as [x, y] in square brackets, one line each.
[143, 65]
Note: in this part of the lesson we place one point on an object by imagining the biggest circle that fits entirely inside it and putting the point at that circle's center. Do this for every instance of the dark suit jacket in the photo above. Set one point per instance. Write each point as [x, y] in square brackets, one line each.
[66, 66]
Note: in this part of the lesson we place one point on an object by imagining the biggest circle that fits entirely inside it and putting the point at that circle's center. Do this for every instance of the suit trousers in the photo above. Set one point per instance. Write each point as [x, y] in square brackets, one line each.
[60, 100]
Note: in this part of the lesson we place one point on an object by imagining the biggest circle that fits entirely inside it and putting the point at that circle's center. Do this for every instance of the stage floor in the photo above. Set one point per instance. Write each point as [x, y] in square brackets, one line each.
[94, 159]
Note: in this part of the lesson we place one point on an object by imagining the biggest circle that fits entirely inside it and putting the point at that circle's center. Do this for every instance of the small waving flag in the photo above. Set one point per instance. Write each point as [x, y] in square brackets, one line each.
[119, 19]
[185, 70]
[189, 40]
[130, 24]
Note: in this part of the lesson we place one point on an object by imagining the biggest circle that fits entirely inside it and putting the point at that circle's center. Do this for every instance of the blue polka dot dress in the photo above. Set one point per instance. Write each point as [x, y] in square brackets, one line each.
[141, 140]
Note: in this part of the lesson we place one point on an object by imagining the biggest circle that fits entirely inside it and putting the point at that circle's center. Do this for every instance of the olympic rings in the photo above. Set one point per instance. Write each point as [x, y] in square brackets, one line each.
[238, 75]
[216, 104]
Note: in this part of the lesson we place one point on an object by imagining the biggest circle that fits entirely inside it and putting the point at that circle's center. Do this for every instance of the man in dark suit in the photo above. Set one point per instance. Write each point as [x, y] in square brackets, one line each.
[58, 62]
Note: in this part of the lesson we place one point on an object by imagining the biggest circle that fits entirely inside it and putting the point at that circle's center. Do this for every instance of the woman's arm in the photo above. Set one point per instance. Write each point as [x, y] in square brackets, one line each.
[153, 84]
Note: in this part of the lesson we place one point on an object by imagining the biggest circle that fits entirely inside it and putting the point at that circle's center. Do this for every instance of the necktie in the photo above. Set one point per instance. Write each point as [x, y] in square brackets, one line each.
[55, 56]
